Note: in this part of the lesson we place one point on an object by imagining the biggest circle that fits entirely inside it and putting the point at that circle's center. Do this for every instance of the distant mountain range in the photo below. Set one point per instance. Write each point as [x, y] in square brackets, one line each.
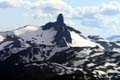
[114, 38]
[56, 51]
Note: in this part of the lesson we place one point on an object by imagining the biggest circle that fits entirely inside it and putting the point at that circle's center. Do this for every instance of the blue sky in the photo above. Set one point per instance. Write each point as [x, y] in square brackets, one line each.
[91, 17]
[77, 3]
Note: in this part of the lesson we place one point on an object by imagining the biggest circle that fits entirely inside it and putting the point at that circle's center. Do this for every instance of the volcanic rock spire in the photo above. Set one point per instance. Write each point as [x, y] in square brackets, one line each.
[60, 19]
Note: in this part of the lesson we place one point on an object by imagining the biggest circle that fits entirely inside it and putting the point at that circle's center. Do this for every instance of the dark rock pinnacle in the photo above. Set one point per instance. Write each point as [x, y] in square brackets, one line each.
[60, 19]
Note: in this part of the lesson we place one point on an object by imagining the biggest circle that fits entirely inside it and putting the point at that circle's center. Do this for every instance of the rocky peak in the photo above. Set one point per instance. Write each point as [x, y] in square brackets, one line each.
[60, 19]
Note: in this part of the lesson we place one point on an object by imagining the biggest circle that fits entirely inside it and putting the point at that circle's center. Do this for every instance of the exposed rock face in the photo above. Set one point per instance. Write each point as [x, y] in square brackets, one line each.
[60, 19]
[63, 34]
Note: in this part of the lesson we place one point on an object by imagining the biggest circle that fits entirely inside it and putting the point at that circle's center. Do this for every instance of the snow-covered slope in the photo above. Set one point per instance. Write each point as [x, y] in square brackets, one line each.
[57, 43]
[108, 45]
[78, 41]
[102, 64]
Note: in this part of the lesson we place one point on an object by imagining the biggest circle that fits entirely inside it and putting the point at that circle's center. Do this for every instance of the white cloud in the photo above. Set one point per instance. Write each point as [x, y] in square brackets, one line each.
[15, 3]
[102, 16]
[53, 8]
[111, 8]
[44, 8]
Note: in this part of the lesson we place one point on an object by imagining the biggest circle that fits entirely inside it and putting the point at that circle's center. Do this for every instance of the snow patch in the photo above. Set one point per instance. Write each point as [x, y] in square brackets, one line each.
[78, 41]
[4, 44]
[109, 64]
[1, 38]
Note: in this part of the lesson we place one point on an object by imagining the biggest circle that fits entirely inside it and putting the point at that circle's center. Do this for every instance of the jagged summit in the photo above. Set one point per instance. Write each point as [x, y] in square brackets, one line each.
[52, 33]
[60, 19]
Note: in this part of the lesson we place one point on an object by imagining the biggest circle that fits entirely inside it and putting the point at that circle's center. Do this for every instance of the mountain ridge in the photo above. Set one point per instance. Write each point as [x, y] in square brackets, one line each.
[52, 33]
[56, 47]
